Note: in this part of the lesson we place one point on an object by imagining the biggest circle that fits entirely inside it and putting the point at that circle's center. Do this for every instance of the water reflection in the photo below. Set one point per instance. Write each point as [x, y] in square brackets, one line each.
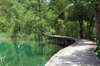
[25, 53]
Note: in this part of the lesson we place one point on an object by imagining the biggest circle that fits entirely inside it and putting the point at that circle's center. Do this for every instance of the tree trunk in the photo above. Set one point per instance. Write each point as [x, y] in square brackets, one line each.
[87, 29]
[39, 7]
[90, 27]
[40, 17]
[81, 28]
[98, 20]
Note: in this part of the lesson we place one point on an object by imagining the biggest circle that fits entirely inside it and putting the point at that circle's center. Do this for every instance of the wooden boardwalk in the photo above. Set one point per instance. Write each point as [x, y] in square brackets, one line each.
[80, 53]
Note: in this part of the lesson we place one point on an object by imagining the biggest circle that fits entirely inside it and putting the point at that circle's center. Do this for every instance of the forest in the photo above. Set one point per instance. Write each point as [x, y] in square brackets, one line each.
[36, 19]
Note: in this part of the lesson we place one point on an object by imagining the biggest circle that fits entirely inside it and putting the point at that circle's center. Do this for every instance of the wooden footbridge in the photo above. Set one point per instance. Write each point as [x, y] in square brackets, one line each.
[80, 53]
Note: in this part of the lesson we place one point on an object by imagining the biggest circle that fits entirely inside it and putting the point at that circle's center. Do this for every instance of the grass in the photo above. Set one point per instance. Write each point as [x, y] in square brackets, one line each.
[7, 35]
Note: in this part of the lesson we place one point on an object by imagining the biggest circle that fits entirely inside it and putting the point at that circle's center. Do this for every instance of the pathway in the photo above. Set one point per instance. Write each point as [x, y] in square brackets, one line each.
[80, 53]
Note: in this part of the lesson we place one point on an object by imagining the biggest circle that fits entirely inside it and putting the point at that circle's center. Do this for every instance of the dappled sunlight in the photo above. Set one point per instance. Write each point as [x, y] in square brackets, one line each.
[80, 48]
[88, 42]
[79, 53]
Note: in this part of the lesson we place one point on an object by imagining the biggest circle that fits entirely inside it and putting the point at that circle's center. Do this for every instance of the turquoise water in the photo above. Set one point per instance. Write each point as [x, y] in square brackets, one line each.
[25, 53]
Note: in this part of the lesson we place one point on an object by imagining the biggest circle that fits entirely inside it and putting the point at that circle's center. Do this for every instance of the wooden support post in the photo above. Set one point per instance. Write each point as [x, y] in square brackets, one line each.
[58, 41]
[52, 40]
[65, 42]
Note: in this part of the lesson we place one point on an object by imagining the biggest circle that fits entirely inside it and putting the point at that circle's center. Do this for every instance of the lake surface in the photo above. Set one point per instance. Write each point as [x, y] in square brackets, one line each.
[25, 53]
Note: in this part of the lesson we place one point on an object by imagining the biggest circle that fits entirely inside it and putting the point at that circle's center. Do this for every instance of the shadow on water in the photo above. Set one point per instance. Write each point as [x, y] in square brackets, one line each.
[61, 43]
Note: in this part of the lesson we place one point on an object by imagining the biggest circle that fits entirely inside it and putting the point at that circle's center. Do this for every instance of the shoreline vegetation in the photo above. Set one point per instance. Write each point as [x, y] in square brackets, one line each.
[28, 39]
[25, 37]
[32, 49]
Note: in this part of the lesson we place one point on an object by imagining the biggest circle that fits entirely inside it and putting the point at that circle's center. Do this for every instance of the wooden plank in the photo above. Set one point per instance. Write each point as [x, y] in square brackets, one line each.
[80, 53]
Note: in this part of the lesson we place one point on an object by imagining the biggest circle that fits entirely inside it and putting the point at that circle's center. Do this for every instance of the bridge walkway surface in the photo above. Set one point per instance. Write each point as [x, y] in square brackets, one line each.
[80, 53]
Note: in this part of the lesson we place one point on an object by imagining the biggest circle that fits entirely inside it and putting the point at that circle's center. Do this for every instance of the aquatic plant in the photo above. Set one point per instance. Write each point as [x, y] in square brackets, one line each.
[18, 52]
[2, 58]
[19, 47]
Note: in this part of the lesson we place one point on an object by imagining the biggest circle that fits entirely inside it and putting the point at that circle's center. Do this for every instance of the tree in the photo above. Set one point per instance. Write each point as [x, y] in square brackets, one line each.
[90, 20]
[58, 8]
[97, 5]
[78, 12]
[5, 15]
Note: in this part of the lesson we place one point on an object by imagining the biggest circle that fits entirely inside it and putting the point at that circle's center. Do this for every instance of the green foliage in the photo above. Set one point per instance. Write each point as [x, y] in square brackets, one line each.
[7, 35]
[77, 11]
[22, 17]
[25, 19]
[72, 30]
[58, 6]
[3, 25]
[98, 47]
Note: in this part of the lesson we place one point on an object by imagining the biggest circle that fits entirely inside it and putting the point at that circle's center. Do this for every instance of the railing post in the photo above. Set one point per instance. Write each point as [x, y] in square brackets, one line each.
[65, 42]
[59, 41]
[52, 40]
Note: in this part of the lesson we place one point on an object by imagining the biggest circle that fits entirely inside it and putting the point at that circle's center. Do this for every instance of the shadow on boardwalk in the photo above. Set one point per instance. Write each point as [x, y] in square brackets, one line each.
[80, 53]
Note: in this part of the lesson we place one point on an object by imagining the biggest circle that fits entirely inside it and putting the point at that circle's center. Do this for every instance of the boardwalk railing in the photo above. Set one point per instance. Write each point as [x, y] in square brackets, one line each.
[60, 39]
